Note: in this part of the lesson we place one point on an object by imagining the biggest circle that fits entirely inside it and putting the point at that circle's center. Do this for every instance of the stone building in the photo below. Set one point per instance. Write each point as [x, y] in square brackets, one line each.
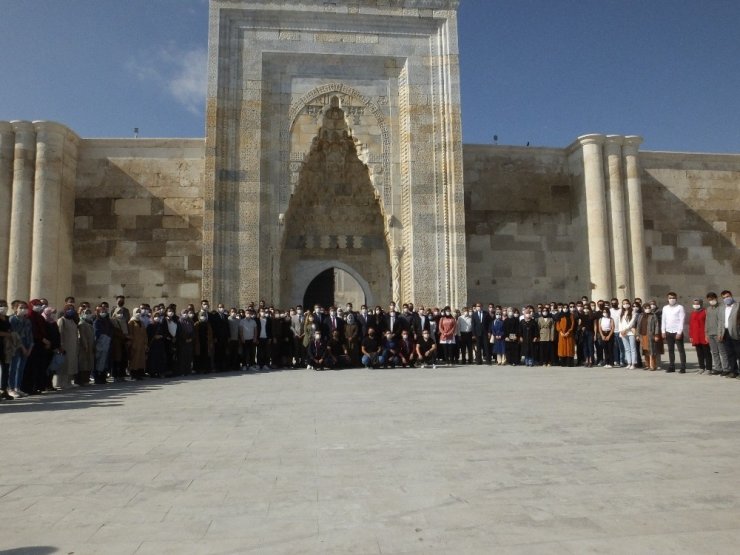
[333, 144]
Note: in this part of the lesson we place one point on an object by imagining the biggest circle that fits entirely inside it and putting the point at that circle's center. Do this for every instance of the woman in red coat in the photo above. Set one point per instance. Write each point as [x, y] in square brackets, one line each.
[698, 336]
[447, 324]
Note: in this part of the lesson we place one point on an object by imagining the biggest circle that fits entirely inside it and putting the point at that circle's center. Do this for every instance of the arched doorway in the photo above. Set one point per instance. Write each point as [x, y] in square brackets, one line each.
[334, 287]
[334, 219]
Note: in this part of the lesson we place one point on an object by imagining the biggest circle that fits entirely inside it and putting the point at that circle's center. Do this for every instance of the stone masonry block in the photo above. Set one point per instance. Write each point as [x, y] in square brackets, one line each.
[133, 207]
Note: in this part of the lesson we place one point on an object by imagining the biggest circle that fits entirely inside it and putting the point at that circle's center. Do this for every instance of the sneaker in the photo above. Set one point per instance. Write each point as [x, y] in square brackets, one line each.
[14, 394]
[607, 366]
[309, 367]
[434, 366]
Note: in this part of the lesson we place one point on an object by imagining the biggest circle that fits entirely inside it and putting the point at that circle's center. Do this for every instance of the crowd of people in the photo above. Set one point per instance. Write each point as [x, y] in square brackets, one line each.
[43, 349]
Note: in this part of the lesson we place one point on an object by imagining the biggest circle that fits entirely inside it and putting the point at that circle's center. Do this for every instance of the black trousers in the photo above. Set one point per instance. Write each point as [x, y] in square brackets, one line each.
[263, 352]
[483, 348]
[673, 342]
[704, 355]
[249, 351]
[466, 346]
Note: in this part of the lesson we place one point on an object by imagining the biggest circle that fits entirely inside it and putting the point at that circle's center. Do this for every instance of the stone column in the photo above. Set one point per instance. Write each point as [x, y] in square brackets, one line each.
[596, 220]
[636, 221]
[46, 209]
[21, 221]
[7, 143]
[620, 251]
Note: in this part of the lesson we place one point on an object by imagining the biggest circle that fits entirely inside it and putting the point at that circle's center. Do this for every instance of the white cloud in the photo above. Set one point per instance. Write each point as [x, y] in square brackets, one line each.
[181, 74]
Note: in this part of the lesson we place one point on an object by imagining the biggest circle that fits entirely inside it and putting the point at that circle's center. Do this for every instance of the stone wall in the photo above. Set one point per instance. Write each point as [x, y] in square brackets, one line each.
[521, 215]
[692, 222]
[139, 220]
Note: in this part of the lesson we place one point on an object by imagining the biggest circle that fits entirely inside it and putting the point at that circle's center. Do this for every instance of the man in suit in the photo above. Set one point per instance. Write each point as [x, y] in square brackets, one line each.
[317, 354]
[481, 331]
[297, 320]
[731, 336]
[395, 324]
[334, 322]
[264, 340]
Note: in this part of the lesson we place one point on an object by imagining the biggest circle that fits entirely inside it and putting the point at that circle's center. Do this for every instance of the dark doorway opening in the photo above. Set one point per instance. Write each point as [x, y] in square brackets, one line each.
[320, 290]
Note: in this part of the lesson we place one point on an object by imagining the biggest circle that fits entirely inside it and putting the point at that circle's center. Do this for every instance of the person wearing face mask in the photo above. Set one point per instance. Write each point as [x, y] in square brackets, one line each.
[497, 335]
[698, 335]
[605, 329]
[353, 338]
[297, 327]
[137, 346]
[55, 348]
[118, 358]
[86, 353]
[618, 347]
[371, 350]
[69, 340]
[446, 326]
[671, 328]
[407, 350]
[35, 376]
[714, 329]
[481, 323]
[202, 344]
[731, 333]
[103, 335]
[362, 320]
[265, 340]
[627, 331]
[394, 323]
[566, 328]
[156, 361]
[426, 350]
[529, 335]
[185, 341]
[546, 325]
[376, 320]
[648, 329]
[465, 330]
[511, 337]
[317, 355]
[248, 340]
[20, 324]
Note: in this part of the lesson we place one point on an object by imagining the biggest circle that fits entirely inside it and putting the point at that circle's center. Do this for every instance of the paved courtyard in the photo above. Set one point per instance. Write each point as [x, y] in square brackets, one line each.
[463, 460]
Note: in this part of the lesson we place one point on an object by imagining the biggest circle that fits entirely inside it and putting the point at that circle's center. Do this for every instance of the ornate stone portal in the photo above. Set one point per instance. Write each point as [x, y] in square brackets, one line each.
[334, 218]
[274, 69]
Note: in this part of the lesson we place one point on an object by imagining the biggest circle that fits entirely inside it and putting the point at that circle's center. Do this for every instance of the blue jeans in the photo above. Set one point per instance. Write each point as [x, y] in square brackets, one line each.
[17, 366]
[375, 360]
[620, 356]
[629, 346]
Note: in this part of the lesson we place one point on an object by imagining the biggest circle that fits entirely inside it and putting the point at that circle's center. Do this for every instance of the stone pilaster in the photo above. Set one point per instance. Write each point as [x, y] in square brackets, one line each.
[620, 251]
[596, 216]
[635, 214]
[47, 204]
[397, 257]
[21, 221]
[7, 143]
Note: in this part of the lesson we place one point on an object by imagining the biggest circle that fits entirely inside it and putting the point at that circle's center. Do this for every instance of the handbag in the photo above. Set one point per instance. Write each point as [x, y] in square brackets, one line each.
[56, 363]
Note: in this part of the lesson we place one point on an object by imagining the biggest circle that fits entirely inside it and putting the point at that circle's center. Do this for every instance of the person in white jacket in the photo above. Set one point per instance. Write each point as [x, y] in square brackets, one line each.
[671, 327]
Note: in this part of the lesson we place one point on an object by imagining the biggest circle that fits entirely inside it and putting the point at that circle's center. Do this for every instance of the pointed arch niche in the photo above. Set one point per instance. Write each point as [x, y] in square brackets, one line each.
[334, 217]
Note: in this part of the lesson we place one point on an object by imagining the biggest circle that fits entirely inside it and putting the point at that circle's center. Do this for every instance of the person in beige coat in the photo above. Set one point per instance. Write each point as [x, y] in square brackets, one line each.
[69, 341]
[86, 350]
[138, 344]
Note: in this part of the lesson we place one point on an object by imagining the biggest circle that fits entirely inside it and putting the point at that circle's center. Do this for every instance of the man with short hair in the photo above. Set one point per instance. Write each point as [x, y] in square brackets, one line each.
[371, 350]
[481, 327]
[671, 327]
[714, 328]
[426, 350]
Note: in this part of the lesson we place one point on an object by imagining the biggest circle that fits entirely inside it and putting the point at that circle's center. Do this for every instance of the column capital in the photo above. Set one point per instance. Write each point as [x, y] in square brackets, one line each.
[593, 138]
[632, 143]
[615, 139]
[52, 128]
[22, 126]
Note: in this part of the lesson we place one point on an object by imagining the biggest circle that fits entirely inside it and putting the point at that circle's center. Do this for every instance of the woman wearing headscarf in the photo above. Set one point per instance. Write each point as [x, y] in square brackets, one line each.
[138, 345]
[86, 354]
[70, 340]
[566, 327]
[55, 345]
[156, 362]
[34, 377]
[203, 344]
[103, 337]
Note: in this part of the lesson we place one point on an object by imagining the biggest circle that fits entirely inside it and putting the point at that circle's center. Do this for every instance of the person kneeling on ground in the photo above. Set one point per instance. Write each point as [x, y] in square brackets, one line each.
[337, 353]
[371, 350]
[318, 354]
[407, 355]
[426, 350]
[390, 350]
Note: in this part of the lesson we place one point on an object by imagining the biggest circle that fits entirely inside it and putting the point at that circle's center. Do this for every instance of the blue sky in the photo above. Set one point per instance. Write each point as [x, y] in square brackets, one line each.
[538, 71]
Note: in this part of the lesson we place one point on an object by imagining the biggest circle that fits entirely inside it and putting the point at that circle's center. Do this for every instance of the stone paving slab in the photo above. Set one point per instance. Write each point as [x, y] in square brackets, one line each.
[471, 459]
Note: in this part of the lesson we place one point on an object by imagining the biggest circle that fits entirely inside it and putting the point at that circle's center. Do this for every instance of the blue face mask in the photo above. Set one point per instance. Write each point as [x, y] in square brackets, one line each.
[728, 301]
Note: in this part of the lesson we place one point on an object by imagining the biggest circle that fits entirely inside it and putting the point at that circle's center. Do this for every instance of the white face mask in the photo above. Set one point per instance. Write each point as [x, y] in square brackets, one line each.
[38, 308]
[203, 318]
[696, 306]
[713, 303]
[672, 302]
[3, 310]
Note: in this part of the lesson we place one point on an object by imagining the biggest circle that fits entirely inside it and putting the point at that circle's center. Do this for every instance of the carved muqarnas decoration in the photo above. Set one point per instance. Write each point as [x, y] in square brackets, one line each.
[333, 161]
